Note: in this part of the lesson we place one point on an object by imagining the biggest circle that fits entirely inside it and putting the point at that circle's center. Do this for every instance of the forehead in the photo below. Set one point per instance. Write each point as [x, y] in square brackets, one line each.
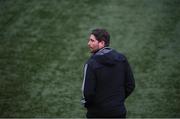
[92, 37]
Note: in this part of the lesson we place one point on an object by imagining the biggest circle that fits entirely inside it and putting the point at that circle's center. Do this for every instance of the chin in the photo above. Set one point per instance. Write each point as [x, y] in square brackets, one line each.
[93, 51]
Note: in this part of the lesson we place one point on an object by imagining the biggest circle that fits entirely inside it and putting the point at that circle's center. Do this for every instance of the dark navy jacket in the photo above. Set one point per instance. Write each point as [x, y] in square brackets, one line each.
[108, 81]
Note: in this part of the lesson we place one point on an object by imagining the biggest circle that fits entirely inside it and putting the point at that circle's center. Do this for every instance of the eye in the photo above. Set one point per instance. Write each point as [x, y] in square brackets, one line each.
[92, 40]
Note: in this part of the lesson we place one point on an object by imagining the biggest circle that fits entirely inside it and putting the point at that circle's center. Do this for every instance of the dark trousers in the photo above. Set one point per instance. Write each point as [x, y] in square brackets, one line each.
[105, 115]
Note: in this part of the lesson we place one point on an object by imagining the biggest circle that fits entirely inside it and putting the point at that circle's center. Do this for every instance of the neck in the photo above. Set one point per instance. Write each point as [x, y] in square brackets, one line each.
[100, 49]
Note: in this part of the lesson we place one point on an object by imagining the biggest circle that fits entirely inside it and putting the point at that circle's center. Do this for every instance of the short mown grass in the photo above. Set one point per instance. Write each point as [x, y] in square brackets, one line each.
[43, 46]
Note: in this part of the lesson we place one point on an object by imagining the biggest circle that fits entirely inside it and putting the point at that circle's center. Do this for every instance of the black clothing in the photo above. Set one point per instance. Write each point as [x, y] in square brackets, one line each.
[108, 81]
[106, 115]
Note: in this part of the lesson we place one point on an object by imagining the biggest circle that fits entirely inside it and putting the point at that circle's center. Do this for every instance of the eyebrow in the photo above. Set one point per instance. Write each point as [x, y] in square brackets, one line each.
[90, 39]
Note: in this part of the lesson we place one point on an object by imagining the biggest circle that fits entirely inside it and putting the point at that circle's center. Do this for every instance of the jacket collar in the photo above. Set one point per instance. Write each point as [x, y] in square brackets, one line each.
[103, 51]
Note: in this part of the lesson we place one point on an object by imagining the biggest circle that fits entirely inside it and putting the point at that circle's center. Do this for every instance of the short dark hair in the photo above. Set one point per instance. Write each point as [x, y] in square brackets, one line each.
[101, 35]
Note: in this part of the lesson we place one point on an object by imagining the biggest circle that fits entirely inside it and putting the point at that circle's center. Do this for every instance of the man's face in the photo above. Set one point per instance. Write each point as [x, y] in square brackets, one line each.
[93, 44]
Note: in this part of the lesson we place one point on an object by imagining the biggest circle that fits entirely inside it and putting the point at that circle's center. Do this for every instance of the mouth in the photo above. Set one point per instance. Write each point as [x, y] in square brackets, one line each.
[90, 47]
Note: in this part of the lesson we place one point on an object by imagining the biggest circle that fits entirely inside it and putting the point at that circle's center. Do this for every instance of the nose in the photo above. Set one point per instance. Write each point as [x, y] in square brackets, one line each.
[88, 43]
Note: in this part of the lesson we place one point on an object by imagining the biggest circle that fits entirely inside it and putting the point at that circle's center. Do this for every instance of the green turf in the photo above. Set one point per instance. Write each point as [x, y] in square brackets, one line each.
[43, 46]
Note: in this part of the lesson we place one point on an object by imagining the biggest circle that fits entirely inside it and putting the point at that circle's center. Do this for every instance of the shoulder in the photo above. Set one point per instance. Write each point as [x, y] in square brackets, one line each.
[119, 56]
[92, 62]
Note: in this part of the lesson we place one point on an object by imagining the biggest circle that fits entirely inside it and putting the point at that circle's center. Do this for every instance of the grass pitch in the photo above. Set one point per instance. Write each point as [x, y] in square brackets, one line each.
[43, 46]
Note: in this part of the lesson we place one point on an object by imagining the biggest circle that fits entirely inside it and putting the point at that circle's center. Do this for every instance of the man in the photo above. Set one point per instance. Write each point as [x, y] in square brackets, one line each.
[108, 79]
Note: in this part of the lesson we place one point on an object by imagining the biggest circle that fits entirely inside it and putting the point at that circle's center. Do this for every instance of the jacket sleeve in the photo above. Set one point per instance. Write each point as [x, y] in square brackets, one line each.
[89, 85]
[129, 81]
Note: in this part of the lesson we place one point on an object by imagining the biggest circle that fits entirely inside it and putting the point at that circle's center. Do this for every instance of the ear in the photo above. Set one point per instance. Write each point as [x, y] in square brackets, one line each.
[101, 44]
